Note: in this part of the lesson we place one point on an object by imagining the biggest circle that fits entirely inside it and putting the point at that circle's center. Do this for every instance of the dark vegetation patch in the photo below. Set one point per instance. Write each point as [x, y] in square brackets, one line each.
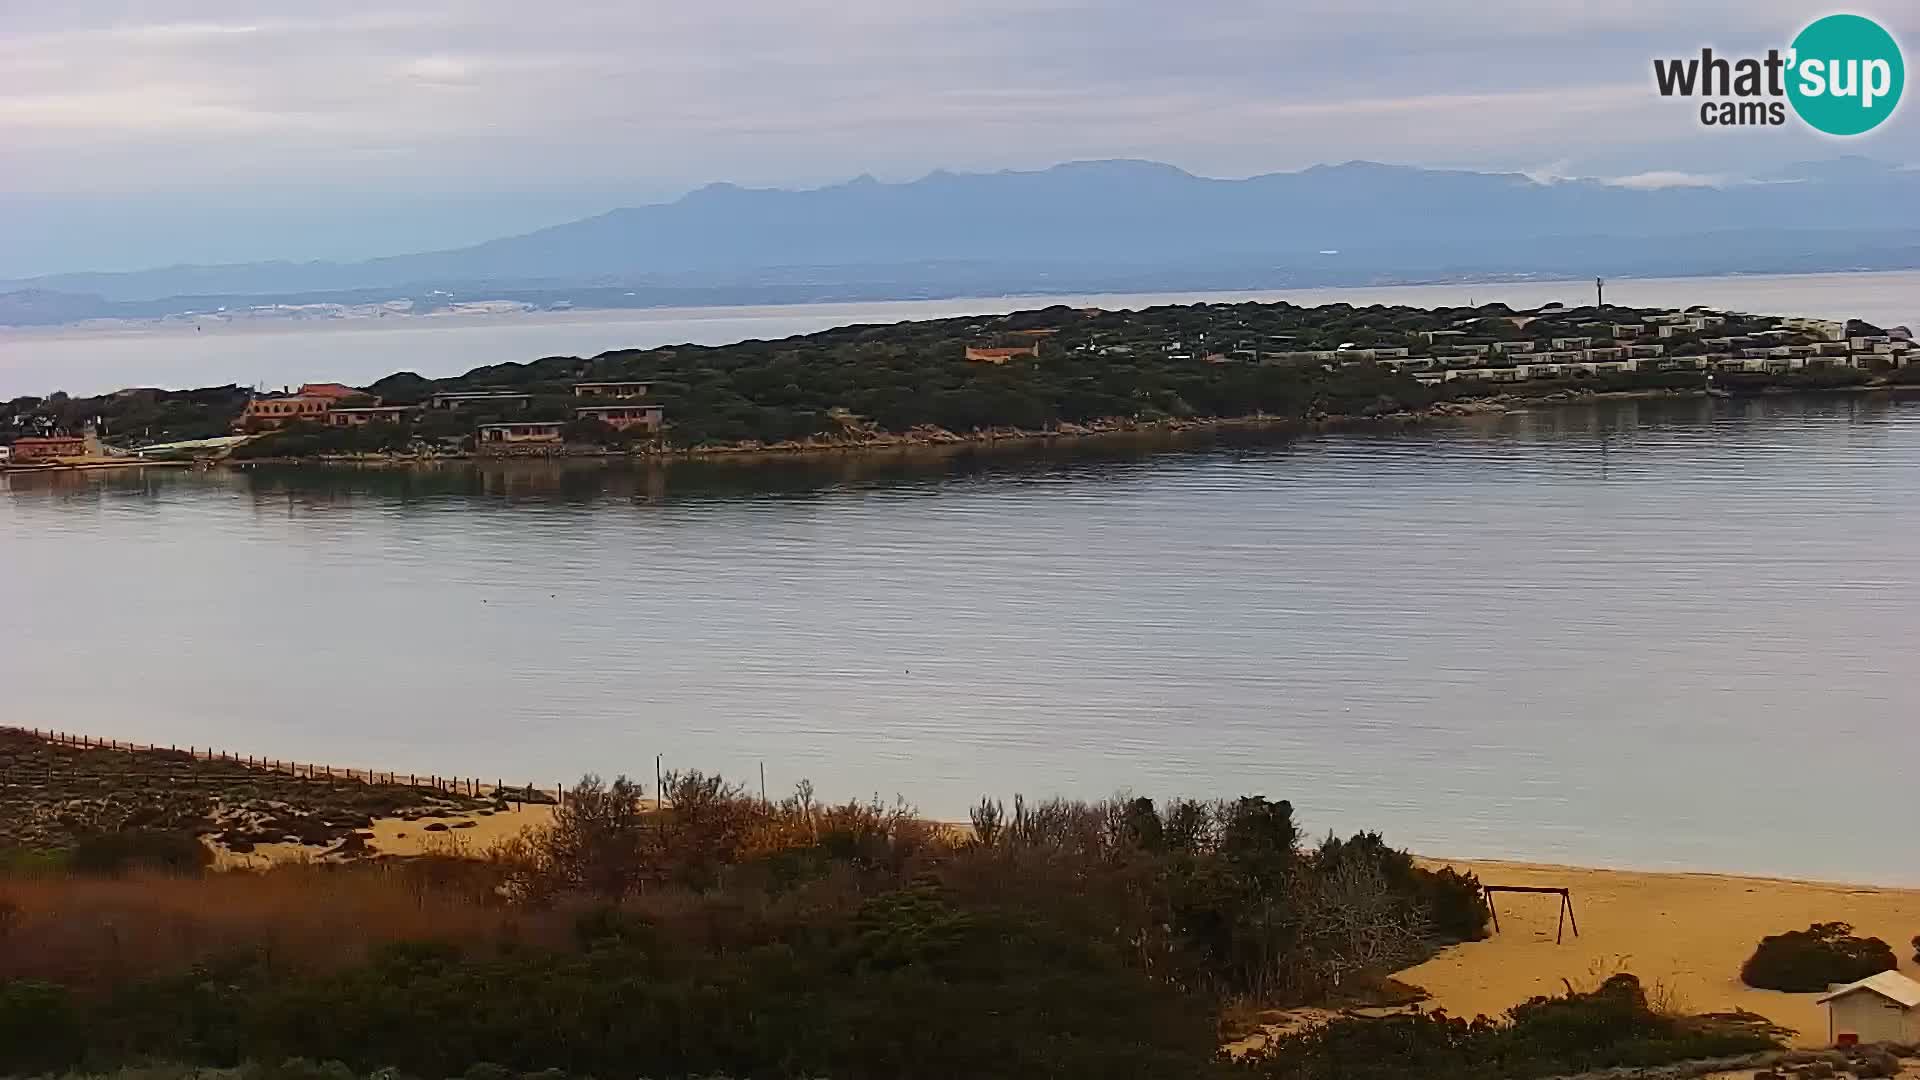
[1808, 961]
[1611, 1026]
[728, 935]
[106, 803]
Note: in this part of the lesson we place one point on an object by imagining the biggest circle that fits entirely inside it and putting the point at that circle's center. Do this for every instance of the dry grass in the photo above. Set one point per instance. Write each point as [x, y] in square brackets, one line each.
[1663, 998]
[94, 932]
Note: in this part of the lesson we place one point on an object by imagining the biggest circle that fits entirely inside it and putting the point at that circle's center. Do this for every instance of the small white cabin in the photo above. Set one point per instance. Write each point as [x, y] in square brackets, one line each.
[1878, 1008]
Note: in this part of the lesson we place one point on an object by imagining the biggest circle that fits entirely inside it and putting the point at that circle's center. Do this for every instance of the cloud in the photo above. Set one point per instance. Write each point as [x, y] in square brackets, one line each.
[438, 70]
[1668, 178]
[120, 101]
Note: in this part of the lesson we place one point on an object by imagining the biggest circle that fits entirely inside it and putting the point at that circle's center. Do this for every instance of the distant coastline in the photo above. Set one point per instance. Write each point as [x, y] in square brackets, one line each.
[104, 357]
[1516, 288]
[1115, 226]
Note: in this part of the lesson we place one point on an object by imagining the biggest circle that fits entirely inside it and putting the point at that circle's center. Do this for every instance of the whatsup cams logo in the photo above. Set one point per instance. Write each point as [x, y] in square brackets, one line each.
[1842, 75]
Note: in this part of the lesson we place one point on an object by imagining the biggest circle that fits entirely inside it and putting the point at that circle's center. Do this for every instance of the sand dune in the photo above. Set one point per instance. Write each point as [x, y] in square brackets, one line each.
[1689, 933]
[394, 837]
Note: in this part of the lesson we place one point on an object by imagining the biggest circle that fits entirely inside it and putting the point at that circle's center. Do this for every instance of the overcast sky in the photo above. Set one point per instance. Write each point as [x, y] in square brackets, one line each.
[138, 133]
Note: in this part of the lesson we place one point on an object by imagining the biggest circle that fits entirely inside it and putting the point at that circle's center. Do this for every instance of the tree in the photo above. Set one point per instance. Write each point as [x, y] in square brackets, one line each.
[1354, 924]
[1810, 960]
[597, 842]
[589, 431]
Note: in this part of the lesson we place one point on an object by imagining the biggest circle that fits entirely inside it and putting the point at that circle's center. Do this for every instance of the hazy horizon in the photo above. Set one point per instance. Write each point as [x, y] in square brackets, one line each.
[218, 132]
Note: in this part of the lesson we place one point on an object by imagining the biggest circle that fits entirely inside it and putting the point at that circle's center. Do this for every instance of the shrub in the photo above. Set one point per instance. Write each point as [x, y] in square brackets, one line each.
[40, 1028]
[34, 862]
[1808, 961]
[907, 983]
[304, 1069]
[1612, 1026]
[595, 842]
[165, 851]
[1453, 903]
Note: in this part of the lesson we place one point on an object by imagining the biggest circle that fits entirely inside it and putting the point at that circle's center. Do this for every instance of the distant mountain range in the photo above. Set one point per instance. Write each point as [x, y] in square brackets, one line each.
[1082, 227]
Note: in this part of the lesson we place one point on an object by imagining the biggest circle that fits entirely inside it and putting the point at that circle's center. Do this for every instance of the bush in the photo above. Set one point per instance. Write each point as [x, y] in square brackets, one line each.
[39, 1026]
[1610, 1027]
[1452, 901]
[727, 932]
[115, 853]
[1808, 961]
[34, 862]
[906, 983]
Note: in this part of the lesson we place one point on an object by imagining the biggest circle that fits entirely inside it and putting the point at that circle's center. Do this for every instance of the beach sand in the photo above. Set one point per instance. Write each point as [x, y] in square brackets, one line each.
[392, 836]
[1686, 934]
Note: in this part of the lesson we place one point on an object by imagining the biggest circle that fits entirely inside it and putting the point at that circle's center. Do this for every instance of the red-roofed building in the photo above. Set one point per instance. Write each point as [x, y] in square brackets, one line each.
[272, 412]
[48, 447]
[333, 391]
[1001, 355]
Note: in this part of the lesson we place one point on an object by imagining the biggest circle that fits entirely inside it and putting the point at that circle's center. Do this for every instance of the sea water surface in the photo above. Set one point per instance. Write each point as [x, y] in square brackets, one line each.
[1674, 634]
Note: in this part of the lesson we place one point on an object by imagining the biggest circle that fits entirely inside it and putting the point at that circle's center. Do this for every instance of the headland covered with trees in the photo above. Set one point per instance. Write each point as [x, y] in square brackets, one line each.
[1048, 372]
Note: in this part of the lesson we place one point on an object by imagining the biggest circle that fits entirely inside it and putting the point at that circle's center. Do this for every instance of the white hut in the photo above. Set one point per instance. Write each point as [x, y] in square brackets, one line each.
[1878, 1008]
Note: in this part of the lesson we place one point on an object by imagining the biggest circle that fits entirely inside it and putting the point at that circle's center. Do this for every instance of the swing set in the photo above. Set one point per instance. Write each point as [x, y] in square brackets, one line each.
[1566, 906]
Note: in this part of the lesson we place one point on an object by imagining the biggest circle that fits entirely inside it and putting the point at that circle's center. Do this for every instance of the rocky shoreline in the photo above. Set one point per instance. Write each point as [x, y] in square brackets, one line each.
[873, 441]
[867, 440]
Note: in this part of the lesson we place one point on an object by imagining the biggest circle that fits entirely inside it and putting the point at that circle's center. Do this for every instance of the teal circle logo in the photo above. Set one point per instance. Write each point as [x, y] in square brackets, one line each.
[1846, 74]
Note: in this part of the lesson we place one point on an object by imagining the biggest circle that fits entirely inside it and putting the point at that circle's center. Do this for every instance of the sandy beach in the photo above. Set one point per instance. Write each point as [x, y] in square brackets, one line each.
[1687, 934]
[465, 834]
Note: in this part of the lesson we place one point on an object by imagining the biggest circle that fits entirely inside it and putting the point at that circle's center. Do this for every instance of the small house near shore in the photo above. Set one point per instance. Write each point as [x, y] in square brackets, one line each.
[495, 438]
[622, 417]
[371, 414]
[1878, 1008]
[48, 447]
[464, 399]
[612, 389]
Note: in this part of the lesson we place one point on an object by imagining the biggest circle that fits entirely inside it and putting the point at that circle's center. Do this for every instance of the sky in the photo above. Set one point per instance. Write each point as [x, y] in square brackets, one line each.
[138, 133]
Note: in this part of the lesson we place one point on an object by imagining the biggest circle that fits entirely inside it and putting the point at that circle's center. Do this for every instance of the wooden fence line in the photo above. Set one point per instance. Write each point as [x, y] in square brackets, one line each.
[470, 786]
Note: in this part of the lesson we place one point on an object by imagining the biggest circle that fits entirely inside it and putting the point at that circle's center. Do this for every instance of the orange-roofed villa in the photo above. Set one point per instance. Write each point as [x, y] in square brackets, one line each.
[1001, 354]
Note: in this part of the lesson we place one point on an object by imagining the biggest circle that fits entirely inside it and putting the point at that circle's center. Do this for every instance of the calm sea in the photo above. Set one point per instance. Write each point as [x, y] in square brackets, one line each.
[358, 351]
[1658, 635]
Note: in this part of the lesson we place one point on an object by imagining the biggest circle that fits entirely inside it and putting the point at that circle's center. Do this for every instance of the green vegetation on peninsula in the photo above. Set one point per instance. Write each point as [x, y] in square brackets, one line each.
[1056, 370]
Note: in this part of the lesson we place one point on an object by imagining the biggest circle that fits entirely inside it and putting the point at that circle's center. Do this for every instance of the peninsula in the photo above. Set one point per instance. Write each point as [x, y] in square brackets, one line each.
[1047, 372]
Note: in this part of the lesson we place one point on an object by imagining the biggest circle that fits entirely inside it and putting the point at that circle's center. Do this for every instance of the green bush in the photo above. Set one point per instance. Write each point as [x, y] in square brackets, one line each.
[112, 853]
[1452, 901]
[909, 982]
[34, 862]
[1808, 961]
[1610, 1027]
[40, 1027]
